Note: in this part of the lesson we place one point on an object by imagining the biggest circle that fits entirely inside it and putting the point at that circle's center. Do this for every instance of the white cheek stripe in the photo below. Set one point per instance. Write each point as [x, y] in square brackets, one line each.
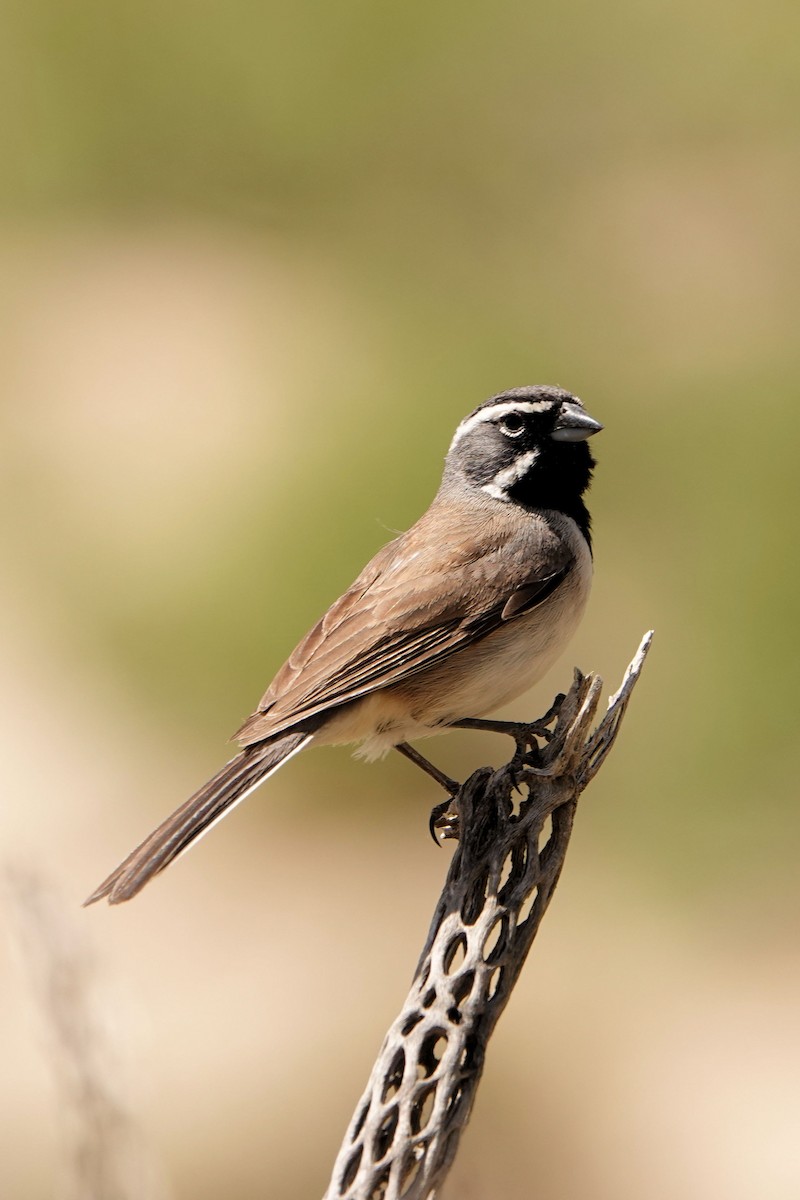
[504, 480]
[495, 411]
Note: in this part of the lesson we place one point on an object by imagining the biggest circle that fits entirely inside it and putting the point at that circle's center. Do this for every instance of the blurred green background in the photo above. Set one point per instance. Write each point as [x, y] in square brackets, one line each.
[256, 262]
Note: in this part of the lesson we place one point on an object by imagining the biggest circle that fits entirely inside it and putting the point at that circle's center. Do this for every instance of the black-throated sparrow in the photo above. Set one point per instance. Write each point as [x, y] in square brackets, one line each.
[462, 613]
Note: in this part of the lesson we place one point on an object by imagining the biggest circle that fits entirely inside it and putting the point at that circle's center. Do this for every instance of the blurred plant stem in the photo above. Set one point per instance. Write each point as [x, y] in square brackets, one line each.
[106, 1156]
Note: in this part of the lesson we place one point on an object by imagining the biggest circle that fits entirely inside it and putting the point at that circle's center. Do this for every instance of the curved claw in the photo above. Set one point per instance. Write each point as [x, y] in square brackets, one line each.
[449, 828]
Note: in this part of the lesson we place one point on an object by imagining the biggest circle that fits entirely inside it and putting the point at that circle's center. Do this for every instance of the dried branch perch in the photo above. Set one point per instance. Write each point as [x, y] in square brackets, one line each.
[405, 1131]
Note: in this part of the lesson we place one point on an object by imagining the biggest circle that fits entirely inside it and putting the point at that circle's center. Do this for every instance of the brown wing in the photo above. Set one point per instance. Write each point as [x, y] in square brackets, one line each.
[410, 609]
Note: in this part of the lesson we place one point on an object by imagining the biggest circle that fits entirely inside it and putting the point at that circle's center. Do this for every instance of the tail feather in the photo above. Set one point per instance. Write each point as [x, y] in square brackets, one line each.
[197, 815]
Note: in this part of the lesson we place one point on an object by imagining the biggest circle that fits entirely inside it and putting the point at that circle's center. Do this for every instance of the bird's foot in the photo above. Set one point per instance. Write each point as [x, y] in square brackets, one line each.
[524, 733]
[444, 821]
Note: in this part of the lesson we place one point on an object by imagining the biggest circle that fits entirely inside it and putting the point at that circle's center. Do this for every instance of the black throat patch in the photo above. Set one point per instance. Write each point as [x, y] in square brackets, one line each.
[557, 479]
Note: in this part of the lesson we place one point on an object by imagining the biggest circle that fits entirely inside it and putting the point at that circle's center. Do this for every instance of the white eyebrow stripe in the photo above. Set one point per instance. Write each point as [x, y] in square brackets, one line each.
[504, 480]
[495, 411]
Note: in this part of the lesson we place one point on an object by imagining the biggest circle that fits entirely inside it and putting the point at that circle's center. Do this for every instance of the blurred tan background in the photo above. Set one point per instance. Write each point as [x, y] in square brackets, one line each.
[256, 262]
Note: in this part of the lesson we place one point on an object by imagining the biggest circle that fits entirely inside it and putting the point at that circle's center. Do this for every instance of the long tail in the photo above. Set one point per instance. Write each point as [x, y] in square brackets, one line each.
[197, 815]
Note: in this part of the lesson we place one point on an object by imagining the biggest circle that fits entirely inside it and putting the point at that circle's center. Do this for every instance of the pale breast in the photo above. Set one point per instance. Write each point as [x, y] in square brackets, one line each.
[478, 679]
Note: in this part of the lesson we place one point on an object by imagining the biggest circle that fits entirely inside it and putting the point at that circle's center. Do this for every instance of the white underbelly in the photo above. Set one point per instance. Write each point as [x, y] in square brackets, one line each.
[473, 682]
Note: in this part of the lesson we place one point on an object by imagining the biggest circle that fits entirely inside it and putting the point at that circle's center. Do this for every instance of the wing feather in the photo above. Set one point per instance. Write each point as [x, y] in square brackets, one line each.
[408, 611]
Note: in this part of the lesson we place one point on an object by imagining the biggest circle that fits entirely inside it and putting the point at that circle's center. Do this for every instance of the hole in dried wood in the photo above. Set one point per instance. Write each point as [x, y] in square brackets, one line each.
[394, 1077]
[350, 1171]
[466, 1060]
[454, 1016]
[429, 998]
[411, 1023]
[462, 986]
[474, 900]
[455, 954]
[544, 834]
[422, 1108]
[527, 907]
[362, 1116]
[431, 1051]
[515, 803]
[494, 983]
[513, 870]
[384, 1135]
[454, 1100]
[496, 939]
[381, 1186]
[412, 1166]
[505, 872]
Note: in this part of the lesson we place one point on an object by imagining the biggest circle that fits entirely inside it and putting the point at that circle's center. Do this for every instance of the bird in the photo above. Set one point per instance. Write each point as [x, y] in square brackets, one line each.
[457, 616]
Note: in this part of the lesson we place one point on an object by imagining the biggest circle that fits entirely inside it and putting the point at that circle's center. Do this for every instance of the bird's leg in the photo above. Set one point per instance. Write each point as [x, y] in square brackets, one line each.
[523, 732]
[442, 818]
[449, 785]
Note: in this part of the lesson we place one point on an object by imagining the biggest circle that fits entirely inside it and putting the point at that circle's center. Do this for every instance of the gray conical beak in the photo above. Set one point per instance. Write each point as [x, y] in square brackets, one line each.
[574, 425]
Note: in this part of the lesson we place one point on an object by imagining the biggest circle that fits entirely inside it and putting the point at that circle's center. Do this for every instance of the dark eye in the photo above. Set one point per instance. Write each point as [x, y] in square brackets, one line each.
[512, 424]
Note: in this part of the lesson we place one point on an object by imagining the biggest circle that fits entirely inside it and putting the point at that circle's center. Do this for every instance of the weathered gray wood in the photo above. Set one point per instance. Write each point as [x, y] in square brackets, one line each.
[514, 827]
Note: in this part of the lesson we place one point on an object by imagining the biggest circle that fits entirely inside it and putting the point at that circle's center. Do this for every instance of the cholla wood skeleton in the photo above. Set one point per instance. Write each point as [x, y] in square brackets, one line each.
[405, 1131]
